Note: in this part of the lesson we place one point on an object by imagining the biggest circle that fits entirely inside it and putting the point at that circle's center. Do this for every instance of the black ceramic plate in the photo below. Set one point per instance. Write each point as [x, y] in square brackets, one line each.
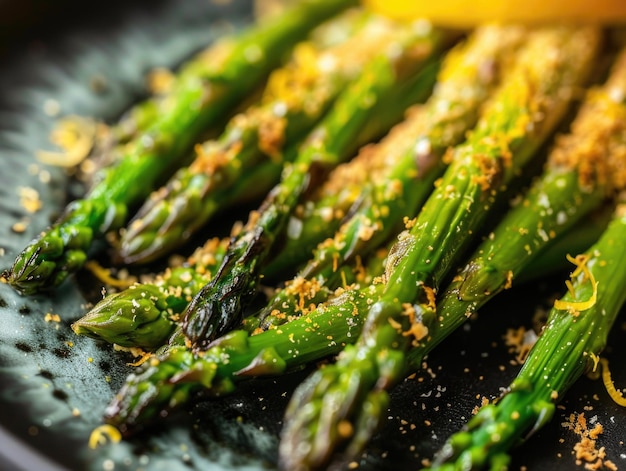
[54, 386]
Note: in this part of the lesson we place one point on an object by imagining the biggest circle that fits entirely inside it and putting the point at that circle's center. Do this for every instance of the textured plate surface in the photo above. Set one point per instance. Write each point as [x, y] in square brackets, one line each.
[54, 386]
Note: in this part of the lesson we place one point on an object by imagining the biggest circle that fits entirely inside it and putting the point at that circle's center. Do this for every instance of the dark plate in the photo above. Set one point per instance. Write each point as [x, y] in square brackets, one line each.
[54, 386]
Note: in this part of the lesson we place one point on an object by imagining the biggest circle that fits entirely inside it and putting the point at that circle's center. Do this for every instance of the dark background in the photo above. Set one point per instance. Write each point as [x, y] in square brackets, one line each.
[473, 363]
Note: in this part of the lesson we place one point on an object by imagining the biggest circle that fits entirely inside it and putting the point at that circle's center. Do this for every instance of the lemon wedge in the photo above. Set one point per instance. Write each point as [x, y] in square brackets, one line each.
[464, 13]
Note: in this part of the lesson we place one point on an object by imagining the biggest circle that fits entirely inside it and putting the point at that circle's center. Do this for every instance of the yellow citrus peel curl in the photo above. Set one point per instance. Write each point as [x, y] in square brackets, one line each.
[576, 306]
[103, 433]
[609, 385]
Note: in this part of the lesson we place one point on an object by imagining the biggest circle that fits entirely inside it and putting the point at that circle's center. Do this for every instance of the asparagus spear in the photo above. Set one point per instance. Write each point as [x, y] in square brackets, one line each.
[296, 97]
[577, 239]
[146, 314]
[404, 166]
[304, 296]
[569, 345]
[388, 85]
[62, 249]
[171, 380]
[340, 405]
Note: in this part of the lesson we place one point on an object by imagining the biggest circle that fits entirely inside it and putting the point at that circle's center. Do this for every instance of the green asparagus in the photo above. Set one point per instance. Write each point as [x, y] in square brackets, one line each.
[569, 345]
[575, 240]
[146, 314]
[388, 85]
[584, 168]
[103, 144]
[304, 296]
[167, 382]
[115, 318]
[403, 167]
[62, 249]
[170, 380]
[596, 133]
[341, 404]
[294, 100]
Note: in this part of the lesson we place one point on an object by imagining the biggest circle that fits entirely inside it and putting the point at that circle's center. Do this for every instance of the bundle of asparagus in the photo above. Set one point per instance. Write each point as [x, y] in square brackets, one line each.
[421, 197]
[352, 394]
[192, 107]
[134, 404]
[268, 134]
[389, 85]
[474, 63]
[402, 168]
[588, 164]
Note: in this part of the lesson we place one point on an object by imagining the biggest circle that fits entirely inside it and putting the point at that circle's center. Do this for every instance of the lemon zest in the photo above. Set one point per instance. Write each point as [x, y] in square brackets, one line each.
[104, 275]
[143, 357]
[576, 306]
[609, 385]
[103, 433]
[75, 136]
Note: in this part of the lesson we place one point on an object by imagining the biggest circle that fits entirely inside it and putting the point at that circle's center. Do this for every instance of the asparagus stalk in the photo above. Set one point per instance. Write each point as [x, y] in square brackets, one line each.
[576, 240]
[62, 249]
[304, 296]
[569, 345]
[318, 216]
[146, 314]
[340, 405]
[388, 85]
[404, 166]
[294, 100]
[170, 380]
